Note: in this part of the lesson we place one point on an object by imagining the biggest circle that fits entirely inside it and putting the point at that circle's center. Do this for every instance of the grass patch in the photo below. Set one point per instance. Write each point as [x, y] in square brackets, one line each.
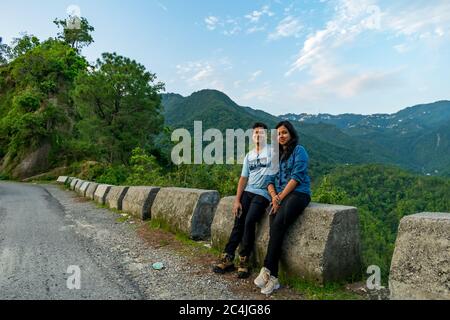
[102, 206]
[158, 224]
[4, 177]
[122, 219]
[314, 291]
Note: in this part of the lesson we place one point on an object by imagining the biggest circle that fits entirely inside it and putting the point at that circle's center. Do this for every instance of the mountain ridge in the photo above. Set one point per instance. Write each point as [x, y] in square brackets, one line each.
[407, 138]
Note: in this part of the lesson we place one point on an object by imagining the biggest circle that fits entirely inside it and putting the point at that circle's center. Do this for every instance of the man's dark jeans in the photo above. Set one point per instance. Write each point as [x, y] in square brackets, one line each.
[253, 208]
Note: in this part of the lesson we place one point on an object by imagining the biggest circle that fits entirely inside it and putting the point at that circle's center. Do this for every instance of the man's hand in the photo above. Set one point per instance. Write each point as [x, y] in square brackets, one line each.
[237, 206]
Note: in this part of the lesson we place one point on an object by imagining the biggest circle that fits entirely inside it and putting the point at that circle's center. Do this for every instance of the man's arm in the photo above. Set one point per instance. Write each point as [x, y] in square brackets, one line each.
[240, 190]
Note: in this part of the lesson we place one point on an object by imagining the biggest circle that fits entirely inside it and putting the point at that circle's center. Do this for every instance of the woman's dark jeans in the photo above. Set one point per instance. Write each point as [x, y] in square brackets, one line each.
[291, 208]
[253, 208]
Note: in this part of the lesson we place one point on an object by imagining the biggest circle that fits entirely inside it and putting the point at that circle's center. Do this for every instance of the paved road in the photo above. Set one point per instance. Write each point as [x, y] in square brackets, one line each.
[36, 251]
[45, 229]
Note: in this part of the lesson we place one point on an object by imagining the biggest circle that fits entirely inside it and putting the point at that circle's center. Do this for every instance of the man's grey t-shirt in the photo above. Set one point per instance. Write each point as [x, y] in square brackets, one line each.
[256, 167]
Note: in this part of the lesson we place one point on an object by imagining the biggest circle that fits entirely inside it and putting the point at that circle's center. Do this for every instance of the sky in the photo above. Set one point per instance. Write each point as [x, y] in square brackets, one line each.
[280, 56]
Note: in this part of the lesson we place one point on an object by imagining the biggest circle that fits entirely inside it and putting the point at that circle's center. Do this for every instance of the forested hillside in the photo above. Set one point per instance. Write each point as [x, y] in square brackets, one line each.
[383, 196]
[56, 109]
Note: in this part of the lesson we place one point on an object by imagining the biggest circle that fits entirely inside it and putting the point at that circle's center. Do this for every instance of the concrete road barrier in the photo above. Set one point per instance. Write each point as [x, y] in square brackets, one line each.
[69, 181]
[91, 190]
[101, 192]
[323, 245]
[62, 180]
[74, 183]
[83, 188]
[420, 268]
[78, 186]
[189, 211]
[115, 197]
[139, 200]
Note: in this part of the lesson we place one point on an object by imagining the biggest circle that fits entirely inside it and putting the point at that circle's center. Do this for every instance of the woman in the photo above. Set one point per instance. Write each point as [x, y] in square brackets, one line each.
[291, 194]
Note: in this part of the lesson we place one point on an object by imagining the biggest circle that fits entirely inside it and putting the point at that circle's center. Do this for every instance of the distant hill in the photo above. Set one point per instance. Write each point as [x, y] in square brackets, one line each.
[326, 144]
[418, 137]
[416, 118]
[214, 108]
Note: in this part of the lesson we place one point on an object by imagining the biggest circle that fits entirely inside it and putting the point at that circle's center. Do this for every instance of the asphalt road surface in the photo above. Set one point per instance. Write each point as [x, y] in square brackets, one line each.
[36, 251]
[44, 230]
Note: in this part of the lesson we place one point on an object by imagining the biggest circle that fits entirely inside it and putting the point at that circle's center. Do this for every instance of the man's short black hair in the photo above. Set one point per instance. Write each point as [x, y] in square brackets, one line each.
[260, 125]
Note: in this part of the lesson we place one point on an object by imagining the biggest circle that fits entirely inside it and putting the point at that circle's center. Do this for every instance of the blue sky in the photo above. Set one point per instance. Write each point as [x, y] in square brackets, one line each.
[322, 56]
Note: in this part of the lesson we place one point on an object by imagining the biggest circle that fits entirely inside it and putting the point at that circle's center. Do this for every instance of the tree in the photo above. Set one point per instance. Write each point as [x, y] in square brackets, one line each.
[18, 47]
[34, 107]
[77, 38]
[22, 45]
[4, 53]
[120, 107]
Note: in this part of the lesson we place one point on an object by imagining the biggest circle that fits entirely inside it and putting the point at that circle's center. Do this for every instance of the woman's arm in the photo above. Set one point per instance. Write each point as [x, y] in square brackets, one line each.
[289, 188]
[300, 166]
[272, 191]
[275, 198]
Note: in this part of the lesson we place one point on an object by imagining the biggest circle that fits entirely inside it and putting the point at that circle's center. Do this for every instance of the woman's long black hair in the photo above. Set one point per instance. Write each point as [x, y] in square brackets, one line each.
[285, 154]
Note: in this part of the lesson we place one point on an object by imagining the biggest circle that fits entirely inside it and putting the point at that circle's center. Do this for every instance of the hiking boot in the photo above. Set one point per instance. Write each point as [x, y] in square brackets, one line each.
[224, 265]
[243, 270]
[272, 285]
[263, 278]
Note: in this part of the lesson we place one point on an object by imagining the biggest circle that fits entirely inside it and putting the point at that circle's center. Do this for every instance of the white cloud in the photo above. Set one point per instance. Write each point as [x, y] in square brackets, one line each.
[254, 29]
[250, 23]
[419, 22]
[288, 27]
[256, 15]
[232, 31]
[255, 75]
[204, 74]
[161, 6]
[402, 48]
[325, 75]
[330, 81]
[211, 22]
[352, 17]
[368, 81]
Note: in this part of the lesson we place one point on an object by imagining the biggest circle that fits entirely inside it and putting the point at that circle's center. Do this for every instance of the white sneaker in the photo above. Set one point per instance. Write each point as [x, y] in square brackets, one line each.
[272, 285]
[263, 278]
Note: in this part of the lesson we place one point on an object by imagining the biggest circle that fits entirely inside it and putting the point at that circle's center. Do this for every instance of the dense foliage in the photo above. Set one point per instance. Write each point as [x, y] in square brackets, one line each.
[56, 109]
[383, 195]
[119, 107]
[35, 107]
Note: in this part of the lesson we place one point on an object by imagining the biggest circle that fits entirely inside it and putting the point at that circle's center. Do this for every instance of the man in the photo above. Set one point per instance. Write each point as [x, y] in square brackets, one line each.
[252, 199]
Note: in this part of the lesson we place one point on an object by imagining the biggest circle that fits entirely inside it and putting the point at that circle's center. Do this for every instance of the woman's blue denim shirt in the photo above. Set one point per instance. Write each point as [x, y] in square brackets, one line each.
[294, 168]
